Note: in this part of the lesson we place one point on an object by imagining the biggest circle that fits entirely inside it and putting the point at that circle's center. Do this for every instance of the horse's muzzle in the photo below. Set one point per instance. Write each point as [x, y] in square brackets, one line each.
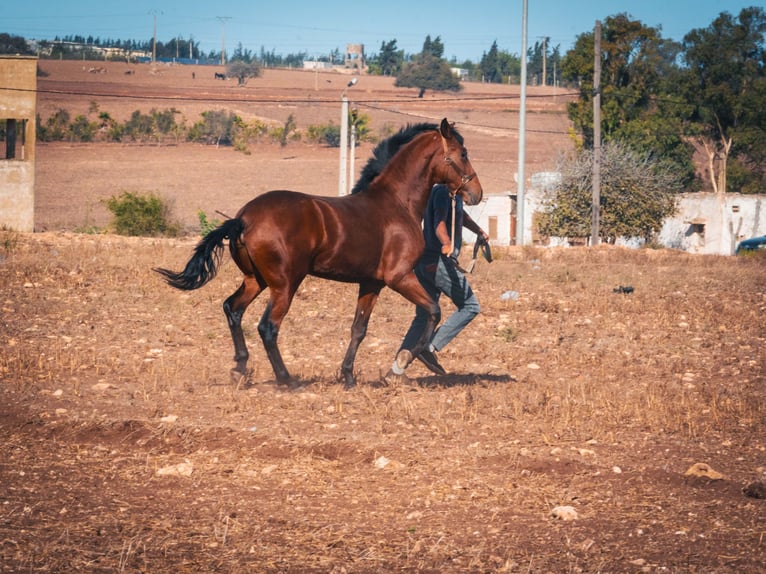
[471, 189]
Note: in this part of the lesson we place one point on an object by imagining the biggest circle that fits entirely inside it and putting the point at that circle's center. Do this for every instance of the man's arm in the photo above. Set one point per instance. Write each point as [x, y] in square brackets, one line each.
[471, 225]
[444, 238]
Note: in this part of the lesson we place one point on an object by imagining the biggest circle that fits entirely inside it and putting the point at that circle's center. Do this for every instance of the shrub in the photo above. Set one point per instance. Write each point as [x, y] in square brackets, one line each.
[328, 134]
[286, 132]
[141, 215]
[82, 130]
[216, 126]
[56, 127]
[206, 225]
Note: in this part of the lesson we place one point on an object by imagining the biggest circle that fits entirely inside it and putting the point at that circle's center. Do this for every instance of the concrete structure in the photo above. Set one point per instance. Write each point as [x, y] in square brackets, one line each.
[18, 99]
[354, 57]
[714, 223]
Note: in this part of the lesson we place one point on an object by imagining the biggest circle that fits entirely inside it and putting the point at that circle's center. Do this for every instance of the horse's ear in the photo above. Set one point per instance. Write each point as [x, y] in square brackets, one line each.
[445, 131]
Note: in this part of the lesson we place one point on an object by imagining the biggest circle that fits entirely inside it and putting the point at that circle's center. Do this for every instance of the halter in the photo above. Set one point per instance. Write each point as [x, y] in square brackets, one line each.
[465, 179]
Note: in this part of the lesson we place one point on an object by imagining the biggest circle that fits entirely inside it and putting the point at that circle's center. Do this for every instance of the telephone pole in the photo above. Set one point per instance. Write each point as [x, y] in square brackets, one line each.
[154, 35]
[222, 20]
[522, 129]
[596, 175]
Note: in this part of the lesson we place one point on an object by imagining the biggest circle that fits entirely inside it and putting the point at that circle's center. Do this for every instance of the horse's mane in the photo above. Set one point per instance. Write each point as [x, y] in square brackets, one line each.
[387, 149]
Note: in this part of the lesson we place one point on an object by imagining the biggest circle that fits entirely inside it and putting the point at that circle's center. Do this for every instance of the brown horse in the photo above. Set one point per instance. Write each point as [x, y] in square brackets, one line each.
[372, 237]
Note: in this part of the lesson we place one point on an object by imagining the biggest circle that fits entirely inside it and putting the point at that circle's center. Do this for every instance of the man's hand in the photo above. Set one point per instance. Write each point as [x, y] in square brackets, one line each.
[447, 249]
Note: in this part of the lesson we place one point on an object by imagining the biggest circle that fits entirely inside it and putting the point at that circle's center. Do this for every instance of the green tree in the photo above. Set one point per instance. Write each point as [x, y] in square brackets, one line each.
[638, 85]
[428, 71]
[388, 61]
[13, 44]
[496, 65]
[242, 54]
[725, 87]
[542, 59]
[634, 60]
[433, 47]
[637, 194]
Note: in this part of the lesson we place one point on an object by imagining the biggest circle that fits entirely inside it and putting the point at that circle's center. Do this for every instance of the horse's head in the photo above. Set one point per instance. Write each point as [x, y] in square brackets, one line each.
[457, 172]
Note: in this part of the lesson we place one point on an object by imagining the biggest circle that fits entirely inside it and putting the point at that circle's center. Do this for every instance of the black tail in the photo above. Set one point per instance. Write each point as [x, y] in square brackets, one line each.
[203, 265]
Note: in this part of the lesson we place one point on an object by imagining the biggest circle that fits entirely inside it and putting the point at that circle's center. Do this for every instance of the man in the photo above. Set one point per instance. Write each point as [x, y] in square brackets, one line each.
[439, 273]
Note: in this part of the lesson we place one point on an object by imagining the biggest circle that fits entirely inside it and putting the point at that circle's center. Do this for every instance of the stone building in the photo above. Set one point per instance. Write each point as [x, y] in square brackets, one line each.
[18, 98]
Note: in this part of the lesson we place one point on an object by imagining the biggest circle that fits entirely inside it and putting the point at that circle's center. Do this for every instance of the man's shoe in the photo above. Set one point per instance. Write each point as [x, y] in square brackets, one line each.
[428, 358]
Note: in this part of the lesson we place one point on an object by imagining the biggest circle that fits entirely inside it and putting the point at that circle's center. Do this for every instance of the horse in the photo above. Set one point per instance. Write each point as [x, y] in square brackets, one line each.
[220, 76]
[372, 237]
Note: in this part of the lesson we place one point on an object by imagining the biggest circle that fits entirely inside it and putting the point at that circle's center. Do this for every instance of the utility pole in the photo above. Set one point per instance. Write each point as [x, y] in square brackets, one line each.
[343, 160]
[545, 59]
[222, 20]
[522, 130]
[154, 36]
[596, 183]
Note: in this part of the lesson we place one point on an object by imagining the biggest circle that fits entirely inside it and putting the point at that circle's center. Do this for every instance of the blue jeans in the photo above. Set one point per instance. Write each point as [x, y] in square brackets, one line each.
[437, 278]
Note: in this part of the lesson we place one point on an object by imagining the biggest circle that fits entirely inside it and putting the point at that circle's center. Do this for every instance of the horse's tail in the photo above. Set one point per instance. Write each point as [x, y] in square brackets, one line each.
[203, 265]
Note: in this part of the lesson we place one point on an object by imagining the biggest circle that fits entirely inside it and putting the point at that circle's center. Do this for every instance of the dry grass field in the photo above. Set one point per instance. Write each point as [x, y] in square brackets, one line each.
[564, 439]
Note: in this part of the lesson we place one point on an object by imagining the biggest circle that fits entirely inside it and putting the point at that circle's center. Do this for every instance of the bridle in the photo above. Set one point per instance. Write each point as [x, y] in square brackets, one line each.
[465, 178]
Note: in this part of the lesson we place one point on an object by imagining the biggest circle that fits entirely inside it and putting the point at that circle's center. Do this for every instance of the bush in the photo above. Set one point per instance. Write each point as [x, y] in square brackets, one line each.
[141, 215]
[328, 134]
[206, 225]
[215, 127]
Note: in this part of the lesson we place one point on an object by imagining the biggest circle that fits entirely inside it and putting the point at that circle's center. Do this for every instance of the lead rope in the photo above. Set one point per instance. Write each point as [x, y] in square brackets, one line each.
[452, 228]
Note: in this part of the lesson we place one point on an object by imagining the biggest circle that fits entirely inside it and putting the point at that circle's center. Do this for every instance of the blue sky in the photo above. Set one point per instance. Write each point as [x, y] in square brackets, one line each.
[467, 29]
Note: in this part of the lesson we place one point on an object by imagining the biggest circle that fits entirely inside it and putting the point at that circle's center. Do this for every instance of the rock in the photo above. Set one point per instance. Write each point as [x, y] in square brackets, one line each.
[755, 489]
[565, 513]
[702, 470]
[180, 469]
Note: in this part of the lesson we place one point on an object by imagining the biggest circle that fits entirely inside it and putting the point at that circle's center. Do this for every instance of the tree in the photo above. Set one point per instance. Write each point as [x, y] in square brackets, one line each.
[389, 61]
[496, 65]
[433, 47]
[637, 194]
[428, 71]
[725, 85]
[639, 91]
[243, 70]
[541, 60]
[241, 54]
[13, 44]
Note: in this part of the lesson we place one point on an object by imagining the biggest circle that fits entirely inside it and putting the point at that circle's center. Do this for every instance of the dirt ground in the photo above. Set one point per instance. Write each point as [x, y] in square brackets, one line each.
[579, 430]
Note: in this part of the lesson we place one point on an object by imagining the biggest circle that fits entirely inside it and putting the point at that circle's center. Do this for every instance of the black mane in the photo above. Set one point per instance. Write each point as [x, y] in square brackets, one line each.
[386, 149]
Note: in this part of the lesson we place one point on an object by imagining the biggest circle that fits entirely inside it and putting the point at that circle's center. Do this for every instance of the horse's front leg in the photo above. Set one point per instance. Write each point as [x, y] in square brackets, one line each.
[234, 307]
[368, 296]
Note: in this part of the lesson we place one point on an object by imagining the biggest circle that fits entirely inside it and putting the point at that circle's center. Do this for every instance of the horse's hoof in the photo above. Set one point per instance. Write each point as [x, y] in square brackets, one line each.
[349, 382]
[238, 377]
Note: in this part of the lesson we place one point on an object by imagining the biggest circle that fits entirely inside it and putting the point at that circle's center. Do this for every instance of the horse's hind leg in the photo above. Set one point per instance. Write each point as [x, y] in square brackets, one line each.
[234, 307]
[368, 296]
[268, 328]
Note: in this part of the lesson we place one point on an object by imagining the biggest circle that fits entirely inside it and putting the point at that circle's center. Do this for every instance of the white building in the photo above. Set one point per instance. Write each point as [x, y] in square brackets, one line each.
[714, 223]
